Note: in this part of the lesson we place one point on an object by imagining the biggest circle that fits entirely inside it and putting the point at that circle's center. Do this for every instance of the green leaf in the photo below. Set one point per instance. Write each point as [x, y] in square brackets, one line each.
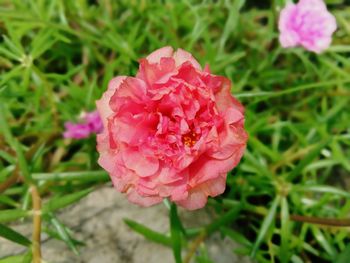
[268, 220]
[5, 129]
[42, 42]
[63, 233]
[6, 52]
[16, 49]
[8, 201]
[12, 259]
[259, 146]
[149, 233]
[285, 231]
[23, 258]
[13, 73]
[175, 231]
[307, 159]
[9, 158]
[231, 22]
[344, 256]
[322, 189]
[236, 236]
[12, 214]
[72, 176]
[27, 257]
[223, 220]
[14, 236]
[322, 240]
[63, 201]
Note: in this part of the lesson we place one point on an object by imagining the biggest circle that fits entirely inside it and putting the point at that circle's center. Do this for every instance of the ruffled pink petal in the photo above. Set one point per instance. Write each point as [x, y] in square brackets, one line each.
[181, 56]
[207, 168]
[103, 104]
[164, 52]
[198, 196]
[223, 98]
[130, 91]
[144, 201]
[143, 166]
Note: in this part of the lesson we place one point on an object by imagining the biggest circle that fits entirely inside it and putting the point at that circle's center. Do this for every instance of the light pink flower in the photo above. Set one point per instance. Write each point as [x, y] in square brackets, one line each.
[91, 123]
[308, 24]
[173, 131]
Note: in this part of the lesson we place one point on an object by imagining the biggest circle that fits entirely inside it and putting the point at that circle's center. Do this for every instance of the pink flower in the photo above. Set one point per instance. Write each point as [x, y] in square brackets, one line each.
[308, 24]
[173, 131]
[91, 124]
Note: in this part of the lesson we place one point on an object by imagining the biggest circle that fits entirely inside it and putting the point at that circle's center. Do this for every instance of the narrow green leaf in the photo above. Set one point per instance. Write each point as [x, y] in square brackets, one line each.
[12, 214]
[72, 176]
[12, 259]
[63, 233]
[14, 236]
[7, 53]
[18, 50]
[258, 145]
[322, 240]
[63, 201]
[286, 91]
[175, 231]
[9, 158]
[149, 233]
[27, 258]
[231, 22]
[42, 42]
[307, 159]
[296, 259]
[14, 72]
[344, 256]
[8, 201]
[268, 220]
[23, 258]
[223, 220]
[285, 232]
[5, 129]
[236, 236]
[322, 189]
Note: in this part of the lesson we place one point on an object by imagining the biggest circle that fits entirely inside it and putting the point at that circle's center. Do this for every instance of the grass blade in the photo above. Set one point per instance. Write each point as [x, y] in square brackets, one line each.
[322, 189]
[149, 233]
[14, 236]
[285, 232]
[307, 159]
[63, 234]
[268, 220]
[12, 214]
[63, 201]
[223, 220]
[175, 231]
[72, 176]
[344, 256]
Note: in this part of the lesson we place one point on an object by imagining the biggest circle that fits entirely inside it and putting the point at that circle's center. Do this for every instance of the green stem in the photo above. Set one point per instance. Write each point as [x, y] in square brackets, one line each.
[175, 231]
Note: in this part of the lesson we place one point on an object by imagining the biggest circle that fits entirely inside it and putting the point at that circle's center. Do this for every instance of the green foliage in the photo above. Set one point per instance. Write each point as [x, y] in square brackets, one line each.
[14, 236]
[149, 233]
[56, 58]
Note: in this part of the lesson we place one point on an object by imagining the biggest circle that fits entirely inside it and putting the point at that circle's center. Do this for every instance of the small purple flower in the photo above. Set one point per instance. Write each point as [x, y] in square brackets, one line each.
[91, 123]
[94, 121]
[308, 24]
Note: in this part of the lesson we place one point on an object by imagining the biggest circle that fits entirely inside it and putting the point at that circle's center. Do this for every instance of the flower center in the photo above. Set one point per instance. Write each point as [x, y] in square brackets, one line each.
[189, 139]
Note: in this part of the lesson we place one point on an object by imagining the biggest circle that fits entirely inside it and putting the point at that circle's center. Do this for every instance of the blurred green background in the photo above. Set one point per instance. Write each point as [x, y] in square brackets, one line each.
[56, 58]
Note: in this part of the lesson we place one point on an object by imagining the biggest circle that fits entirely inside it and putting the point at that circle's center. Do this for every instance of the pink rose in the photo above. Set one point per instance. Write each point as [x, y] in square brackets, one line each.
[173, 131]
[307, 24]
[90, 123]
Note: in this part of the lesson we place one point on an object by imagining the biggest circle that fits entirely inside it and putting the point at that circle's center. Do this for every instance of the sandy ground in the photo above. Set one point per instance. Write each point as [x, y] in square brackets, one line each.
[97, 221]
